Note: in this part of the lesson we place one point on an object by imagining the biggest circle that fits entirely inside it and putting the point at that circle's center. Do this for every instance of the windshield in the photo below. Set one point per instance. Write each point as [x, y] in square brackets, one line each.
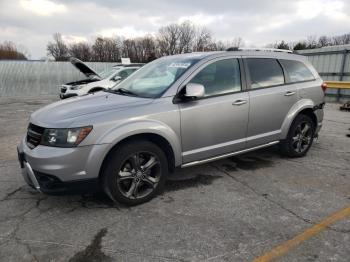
[155, 78]
[108, 72]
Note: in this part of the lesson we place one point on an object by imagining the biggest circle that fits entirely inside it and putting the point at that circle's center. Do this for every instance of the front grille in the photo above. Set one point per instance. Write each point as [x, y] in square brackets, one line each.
[34, 135]
[63, 89]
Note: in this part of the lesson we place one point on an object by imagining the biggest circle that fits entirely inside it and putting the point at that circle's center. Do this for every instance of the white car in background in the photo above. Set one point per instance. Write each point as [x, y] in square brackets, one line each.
[96, 81]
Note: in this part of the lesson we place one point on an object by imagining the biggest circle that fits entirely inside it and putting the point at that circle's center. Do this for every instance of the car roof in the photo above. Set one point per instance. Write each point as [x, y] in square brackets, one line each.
[253, 53]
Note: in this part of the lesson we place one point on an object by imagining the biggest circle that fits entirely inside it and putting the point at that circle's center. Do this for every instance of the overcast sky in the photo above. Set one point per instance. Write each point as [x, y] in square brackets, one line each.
[31, 23]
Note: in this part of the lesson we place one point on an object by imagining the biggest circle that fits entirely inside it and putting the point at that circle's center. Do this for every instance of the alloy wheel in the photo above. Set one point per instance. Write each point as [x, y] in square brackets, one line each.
[139, 175]
[302, 137]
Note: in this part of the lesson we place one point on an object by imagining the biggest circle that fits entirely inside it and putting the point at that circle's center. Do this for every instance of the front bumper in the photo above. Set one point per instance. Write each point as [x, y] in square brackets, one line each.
[55, 170]
[67, 95]
[27, 172]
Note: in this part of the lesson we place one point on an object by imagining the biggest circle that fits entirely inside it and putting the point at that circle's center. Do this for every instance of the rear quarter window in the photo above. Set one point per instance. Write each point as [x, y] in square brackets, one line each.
[297, 71]
[264, 72]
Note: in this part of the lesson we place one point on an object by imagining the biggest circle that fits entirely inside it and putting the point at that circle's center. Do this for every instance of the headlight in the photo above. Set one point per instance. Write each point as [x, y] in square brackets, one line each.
[76, 87]
[65, 137]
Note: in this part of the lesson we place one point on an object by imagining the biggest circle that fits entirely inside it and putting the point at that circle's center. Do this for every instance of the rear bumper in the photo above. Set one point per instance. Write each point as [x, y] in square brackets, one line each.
[318, 128]
[319, 116]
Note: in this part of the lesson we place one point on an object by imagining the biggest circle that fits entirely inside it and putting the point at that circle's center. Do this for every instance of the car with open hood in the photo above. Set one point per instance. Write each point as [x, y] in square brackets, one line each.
[96, 81]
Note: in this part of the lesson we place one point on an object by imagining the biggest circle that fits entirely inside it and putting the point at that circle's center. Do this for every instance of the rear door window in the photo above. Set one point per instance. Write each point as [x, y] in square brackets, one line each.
[264, 72]
[296, 71]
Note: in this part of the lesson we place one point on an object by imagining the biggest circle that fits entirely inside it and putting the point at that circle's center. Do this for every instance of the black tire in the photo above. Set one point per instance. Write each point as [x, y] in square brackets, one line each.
[127, 182]
[297, 144]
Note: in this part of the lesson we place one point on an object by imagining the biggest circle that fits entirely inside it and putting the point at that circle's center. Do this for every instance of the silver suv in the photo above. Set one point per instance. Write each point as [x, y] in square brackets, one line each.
[177, 111]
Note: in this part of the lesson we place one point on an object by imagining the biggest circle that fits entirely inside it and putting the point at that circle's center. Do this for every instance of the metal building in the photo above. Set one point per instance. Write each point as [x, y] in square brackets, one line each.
[333, 64]
[35, 78]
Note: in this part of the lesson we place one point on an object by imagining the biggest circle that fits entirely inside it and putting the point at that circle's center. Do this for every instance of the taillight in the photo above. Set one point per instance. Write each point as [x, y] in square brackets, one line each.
[324, 87]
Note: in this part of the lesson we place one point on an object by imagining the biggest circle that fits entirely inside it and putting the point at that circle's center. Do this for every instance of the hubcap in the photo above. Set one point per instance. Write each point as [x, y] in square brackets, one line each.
[302, 137]
[139, 175]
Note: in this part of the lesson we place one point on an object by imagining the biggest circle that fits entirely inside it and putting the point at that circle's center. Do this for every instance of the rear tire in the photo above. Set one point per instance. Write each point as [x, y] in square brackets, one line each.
[300, 137]
[135, 172]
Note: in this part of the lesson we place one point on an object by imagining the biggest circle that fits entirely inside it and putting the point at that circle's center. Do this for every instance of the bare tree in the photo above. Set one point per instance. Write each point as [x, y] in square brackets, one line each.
[311, 41]
[323, 41]
[203, 40]
[81, 51]
[282, 45]
[129, 50]
[168, 37]
[107, 49]
[58, 48]
[97, 49]
[341, 39]
[220, 46]
[186, 37]
[9, 51]
[235, 43]
[147, 45]
[300, 45]
[113, 49]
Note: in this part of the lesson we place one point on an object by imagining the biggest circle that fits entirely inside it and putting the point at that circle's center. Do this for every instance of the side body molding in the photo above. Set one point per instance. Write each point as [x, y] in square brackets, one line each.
[293, 112]
[144, 126]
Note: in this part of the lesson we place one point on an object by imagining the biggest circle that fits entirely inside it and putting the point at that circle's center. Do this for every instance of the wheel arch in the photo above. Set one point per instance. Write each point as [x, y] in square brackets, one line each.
[157, 139]
[304, 106]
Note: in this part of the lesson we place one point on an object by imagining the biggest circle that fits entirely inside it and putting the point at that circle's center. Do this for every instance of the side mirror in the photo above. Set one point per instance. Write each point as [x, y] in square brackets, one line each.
[194, 90]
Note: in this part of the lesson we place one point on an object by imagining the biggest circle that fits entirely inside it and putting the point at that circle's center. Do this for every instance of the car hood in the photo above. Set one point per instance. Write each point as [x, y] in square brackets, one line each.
[82, 67]
[62, 114]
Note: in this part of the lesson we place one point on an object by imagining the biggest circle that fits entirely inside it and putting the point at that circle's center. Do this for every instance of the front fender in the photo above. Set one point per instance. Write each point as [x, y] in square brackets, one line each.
[117, 134]
[293, 112]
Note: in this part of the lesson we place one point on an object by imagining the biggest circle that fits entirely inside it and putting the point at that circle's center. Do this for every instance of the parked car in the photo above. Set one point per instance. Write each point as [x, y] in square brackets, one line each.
[177, 111]
[96, 81]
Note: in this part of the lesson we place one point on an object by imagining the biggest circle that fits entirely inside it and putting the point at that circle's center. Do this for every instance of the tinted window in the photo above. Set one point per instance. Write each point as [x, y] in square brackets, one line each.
[264, 72]
[297, 71]
[219, 77]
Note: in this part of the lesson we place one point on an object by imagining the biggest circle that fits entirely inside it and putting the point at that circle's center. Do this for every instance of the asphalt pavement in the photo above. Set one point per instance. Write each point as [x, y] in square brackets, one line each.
[258, 205]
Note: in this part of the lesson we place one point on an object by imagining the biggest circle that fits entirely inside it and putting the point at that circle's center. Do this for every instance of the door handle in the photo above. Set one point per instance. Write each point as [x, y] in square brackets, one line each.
[239, 102]
[289, 93]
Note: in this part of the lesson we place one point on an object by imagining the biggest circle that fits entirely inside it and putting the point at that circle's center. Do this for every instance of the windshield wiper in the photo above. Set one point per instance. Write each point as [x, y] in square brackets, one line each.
[122, 91]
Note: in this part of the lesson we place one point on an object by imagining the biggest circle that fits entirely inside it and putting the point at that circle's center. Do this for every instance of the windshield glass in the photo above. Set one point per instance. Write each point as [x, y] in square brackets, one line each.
[153, 79]
[108, 72]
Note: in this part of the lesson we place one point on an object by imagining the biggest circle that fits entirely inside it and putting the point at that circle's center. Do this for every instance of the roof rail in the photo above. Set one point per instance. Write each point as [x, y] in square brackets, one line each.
[259, 49]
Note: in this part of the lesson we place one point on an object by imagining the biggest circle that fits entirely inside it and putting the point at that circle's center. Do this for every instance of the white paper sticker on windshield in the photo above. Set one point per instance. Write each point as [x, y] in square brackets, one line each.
[180, 65]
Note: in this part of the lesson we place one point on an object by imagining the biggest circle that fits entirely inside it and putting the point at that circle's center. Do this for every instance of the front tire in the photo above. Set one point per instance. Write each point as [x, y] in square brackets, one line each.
[300, 137]
[135, 172]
